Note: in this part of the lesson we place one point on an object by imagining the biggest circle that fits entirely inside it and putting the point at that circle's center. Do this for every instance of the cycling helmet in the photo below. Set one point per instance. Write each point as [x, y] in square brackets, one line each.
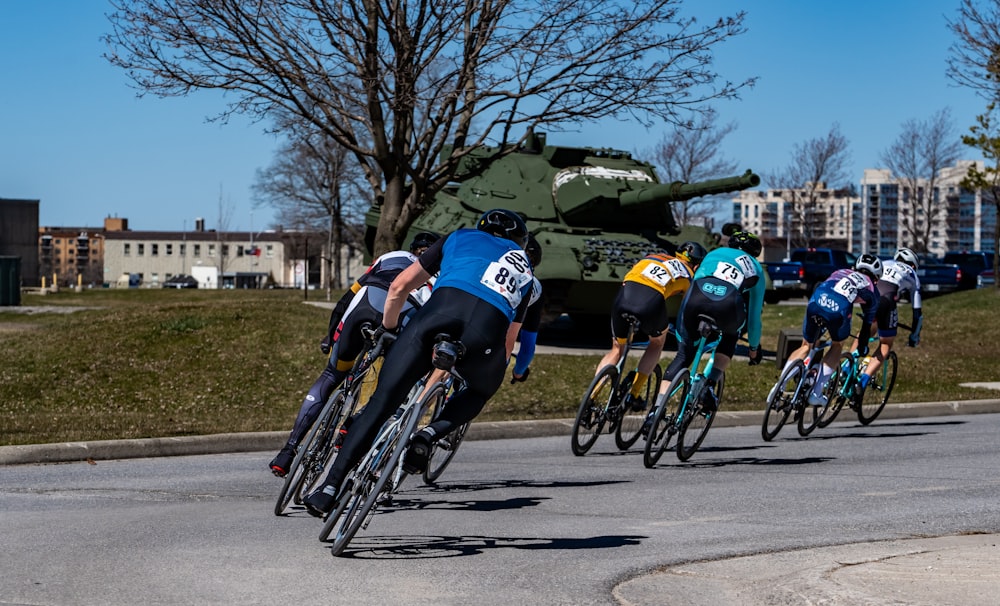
[692, 252]
[504, 223]
[747, 242]
[870, 265]
[905, 255]
[423, 240]
[534, 250]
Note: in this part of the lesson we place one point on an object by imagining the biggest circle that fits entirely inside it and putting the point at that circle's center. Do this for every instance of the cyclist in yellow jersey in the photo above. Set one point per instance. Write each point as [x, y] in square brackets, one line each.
[644, 293]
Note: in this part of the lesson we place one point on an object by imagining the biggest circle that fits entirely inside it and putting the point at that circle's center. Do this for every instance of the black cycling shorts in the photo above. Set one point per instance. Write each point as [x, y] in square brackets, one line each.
[644, 303]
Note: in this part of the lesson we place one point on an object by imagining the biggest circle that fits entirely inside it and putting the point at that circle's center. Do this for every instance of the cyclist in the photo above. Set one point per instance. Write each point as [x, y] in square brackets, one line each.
[532, 318]
[832, 304]
[644, 293]
[729, 287]
[899, 276]
[362, 303]
[480, 297]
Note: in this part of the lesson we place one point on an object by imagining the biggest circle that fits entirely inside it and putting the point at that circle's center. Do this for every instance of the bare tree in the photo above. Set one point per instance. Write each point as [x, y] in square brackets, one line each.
[314, 182]
[693, 152]
[413, 77]
[974, 62]
[225, 210]
[915, 160]
[817, 164]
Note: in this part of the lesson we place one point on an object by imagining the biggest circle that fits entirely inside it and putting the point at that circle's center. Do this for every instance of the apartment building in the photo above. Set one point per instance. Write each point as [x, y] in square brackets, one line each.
[869, 222]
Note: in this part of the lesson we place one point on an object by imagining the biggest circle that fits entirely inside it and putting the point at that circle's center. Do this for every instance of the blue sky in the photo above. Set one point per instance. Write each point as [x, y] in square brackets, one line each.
[74, 135]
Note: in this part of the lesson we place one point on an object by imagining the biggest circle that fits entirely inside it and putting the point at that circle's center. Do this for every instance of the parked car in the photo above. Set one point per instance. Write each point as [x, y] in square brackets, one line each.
[181, 281]
[972, 263]
[985, 279]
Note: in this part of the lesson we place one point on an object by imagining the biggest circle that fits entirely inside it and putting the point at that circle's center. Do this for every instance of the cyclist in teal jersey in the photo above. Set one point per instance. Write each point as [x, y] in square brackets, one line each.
[728, 287]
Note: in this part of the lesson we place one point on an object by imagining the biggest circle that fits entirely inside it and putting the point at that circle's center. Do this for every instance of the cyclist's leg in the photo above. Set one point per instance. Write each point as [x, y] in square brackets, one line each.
[407, 361]
[887, 317]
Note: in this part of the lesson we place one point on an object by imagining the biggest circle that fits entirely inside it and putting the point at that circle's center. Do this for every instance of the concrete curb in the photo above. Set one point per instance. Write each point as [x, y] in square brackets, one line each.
[486, 430]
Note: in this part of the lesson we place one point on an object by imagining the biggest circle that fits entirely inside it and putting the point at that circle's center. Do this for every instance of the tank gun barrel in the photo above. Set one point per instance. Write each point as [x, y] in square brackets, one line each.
[679, 190]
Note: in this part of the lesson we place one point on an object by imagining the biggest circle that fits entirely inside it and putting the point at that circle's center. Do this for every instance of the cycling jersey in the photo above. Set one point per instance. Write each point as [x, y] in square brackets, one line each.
[728, 272]
[668, 275]
[833, 304]
[899, 278]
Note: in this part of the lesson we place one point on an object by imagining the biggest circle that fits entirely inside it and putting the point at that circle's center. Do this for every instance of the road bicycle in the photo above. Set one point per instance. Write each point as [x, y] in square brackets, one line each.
[319, 447]
[379, 473]
[444, 449]
[869, 402]
[790, 395]
[603, 403]
[680, 410]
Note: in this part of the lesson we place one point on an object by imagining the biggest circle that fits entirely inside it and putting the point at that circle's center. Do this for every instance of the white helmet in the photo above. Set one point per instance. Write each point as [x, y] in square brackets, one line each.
[870, 265]
[905, 255]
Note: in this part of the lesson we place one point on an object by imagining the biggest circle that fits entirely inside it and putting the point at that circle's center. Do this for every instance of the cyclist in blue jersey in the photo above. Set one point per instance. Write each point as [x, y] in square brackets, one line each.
[361, 304]
[729, 287]
[532, 318]
[480, 297]
[832, 303]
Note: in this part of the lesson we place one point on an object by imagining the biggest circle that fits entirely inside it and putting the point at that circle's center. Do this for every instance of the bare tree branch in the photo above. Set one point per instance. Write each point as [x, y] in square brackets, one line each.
[816, 164]
[694, 153]
[394, 84]
[915, 160]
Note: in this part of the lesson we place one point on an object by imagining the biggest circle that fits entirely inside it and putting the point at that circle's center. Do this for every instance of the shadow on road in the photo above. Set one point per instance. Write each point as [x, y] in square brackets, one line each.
[425, 547]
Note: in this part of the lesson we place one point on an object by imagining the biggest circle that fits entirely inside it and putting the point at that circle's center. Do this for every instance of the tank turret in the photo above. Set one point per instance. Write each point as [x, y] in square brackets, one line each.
[594, 211]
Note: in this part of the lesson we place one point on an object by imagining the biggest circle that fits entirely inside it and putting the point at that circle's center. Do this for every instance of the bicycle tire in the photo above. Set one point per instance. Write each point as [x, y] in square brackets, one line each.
[699, 422]
[629, 428]
[781, 400]
[664, 426]
[592, 413]
[312, 453]
[809, 416]
[381, 469]
[443, 450]
[838, 397]
[876, 395]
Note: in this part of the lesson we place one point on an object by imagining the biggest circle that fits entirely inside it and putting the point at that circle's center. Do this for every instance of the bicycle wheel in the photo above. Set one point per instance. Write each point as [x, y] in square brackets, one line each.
[664, 424]
[373, 479]
[443, 450]
[876, 395]
[312, 456]
[630, 427]
[837, 395]
[592, 414]
[698, 422]
[781, 400]
[808, 418]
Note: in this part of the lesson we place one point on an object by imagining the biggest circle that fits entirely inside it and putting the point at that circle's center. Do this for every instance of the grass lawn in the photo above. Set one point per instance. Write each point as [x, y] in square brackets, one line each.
[162, 362]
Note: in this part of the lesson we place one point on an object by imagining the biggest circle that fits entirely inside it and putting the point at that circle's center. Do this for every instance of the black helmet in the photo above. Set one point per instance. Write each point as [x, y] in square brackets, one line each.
[504, 223]
[423, 240]
[692, 252]
[747, 242]
[534, 250]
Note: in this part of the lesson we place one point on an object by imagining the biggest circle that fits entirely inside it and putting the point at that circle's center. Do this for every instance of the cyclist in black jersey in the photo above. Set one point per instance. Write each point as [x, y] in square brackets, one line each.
[361, 304]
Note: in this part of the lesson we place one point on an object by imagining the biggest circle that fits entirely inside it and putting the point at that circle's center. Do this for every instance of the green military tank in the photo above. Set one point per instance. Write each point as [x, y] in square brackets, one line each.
[594, 211]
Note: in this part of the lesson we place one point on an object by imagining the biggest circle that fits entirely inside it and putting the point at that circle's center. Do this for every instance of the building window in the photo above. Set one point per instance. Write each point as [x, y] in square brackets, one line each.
[170, 249]
[270, 250]
[140, 249]
[225, 250]
[154, 250]
[182, 250]
[239, 250]
[211, 250]
[197, 250]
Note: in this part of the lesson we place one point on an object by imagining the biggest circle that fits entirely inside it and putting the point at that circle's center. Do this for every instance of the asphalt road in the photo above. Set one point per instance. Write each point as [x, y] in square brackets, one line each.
[514, 521]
